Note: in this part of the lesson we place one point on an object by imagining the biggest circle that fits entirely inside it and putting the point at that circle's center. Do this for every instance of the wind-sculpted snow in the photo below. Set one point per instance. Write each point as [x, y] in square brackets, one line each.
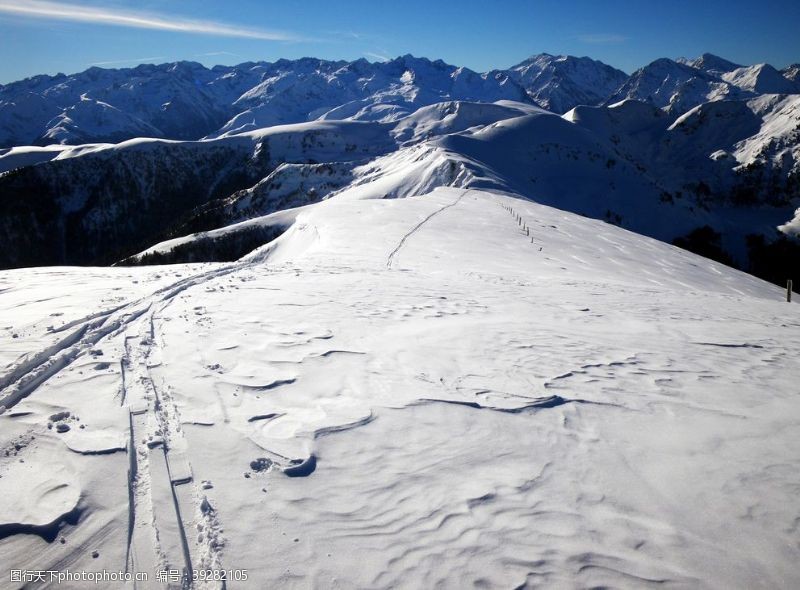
[457, 389]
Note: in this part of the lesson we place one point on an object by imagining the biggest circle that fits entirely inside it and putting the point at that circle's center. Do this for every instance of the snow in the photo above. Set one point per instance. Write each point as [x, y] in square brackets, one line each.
[409, 393]
[630, 163]
[21, 156]
[762, 79]
[455, 116]
[792, 227]
[676, 87]
[18, 157]
[559, 83]
[710, 63]
[187, 101]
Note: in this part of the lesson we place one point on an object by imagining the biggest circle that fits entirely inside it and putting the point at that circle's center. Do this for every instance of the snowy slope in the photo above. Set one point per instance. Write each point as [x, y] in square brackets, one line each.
[362, 91]
[733, 166]
[710, 63]
[761, 79]
[562, 164]
[559, 83]
[89, 120]
[113, 200]
[22, 156]
[792, 72]
[187, 101]
[403, 394]
[675, 86]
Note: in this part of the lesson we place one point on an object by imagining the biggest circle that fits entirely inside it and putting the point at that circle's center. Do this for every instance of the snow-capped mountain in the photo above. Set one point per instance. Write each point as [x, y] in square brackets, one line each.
[93, 205]
[559, 83]
[732, 166]
[89, 119]
[710, 63]
[761, 79]
[177, 100]
[792, 72]
[701, 146]
[188, 101]
[678, 86]
[675, 86]
[185, 100]
[387, 91]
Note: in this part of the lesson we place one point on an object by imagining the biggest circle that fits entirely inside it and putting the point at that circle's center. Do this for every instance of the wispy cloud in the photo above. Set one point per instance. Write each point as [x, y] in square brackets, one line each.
[602, 39]
[46, 9]
[128, 61]
[218, 54]
[376, 56]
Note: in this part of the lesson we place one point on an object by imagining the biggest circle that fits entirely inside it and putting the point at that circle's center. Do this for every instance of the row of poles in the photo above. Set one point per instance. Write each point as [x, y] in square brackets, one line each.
[521, 222]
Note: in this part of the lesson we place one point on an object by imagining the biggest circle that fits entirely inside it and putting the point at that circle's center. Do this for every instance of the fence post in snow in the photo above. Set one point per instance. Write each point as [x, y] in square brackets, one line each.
[789, 290]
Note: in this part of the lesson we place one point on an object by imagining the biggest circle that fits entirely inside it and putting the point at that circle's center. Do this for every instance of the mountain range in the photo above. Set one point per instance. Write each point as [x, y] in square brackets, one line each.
[105, 164]
[185, 100]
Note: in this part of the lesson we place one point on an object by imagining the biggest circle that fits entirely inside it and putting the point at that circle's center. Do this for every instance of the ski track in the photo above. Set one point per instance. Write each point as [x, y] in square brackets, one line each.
[163, 500]
[22, 380]
[161, 496]
[416, 228]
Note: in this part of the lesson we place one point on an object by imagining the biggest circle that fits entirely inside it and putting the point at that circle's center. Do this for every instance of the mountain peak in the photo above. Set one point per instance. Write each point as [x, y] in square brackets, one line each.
[560, 83]
[710, 63]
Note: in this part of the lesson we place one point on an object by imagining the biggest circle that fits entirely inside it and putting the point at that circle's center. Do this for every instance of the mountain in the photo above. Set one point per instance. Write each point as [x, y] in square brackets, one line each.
[177, 101]
[792, 72]
[679, 86]
[406, 393]
[730, 166]
[678, 148]
[711, 64]
[761, 79]
[675, 86]
[386, 91]
[187, 101]
[90, 119]
[109, 201]
[559, 83]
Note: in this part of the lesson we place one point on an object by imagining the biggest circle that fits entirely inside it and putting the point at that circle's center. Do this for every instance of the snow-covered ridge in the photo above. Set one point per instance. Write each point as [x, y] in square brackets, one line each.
[457, 389]
[188, 101]
[728, 166]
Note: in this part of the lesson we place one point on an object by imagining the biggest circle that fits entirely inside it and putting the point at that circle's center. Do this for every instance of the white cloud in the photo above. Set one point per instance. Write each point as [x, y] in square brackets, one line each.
[46, 9]
[602, 39]
[218, 54]
[376, 56]
[128, 61]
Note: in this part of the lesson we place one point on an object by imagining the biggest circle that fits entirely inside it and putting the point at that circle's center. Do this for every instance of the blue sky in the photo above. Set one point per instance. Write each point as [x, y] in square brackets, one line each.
[50, 36]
